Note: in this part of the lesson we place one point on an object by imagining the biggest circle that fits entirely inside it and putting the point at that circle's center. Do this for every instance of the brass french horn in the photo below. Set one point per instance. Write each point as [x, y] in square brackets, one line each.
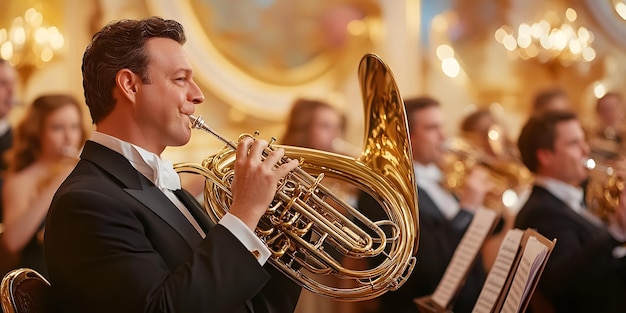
[311, 231]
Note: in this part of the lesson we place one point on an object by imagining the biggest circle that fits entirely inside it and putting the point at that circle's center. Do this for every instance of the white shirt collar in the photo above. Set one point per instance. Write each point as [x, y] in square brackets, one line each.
[160, 172]
[571, 195]
[427, 173]
[428, 178]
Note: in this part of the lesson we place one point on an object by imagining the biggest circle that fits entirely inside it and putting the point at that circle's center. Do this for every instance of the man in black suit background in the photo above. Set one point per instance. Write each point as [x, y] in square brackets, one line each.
[121, 236]
[585, 272]
[443, 217]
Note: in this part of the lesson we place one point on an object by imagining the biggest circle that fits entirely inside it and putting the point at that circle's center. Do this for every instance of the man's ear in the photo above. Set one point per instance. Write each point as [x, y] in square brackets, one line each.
[544, 157]
[127, 83]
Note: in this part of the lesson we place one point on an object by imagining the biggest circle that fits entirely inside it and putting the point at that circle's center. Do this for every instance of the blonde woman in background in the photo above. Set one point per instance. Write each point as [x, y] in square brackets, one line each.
[314, 124]
[45, 150]
[317, 125]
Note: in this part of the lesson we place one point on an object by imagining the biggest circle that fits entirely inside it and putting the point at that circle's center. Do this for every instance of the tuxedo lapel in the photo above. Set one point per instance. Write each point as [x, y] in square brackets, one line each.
[155, 200]
[561, 206]
[195, 209]
[140, 188]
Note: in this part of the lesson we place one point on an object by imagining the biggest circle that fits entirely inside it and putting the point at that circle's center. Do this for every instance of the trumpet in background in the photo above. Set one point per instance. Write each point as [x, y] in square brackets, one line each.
[507, 174]
[603, 189]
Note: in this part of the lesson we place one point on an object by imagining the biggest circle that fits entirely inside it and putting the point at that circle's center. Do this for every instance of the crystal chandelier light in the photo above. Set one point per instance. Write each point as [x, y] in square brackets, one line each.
[27, 44]
[552, 38]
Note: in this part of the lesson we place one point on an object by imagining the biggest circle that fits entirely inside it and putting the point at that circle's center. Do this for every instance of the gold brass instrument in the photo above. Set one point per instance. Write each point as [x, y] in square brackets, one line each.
[603, 188]
[507, 174]
[311, 231]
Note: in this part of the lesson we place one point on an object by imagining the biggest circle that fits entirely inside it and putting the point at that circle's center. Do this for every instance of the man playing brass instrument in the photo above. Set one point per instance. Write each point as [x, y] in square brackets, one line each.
[443, 217]
[585, 272]
[607, 136]
[121, 236]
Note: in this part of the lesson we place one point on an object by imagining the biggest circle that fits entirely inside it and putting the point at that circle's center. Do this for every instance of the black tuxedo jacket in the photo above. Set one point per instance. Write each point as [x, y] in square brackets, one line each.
[581, 274]
[439, 238]
[115, 243]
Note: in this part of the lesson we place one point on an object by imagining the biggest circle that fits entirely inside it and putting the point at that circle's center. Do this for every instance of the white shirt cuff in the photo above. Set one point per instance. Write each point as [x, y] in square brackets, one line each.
[247, 237]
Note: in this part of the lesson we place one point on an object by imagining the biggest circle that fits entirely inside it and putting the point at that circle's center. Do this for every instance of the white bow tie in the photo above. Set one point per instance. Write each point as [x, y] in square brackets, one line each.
[166, 177]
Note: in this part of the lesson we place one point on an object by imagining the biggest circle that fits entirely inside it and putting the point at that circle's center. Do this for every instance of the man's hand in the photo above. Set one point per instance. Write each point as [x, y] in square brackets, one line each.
[256, 179]
[475, 187]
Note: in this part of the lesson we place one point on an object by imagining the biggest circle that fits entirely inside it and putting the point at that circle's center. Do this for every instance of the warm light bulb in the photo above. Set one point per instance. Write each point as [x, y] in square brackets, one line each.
[6, 50]
[444, 52]
[620, 8]
[450, 67]
[46, 54]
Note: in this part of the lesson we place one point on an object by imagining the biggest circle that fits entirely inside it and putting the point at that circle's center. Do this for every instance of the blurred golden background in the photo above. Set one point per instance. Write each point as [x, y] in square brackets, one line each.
[253, 58]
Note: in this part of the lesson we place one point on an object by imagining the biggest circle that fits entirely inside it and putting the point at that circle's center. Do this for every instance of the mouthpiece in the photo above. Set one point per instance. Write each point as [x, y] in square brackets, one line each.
[198, 123]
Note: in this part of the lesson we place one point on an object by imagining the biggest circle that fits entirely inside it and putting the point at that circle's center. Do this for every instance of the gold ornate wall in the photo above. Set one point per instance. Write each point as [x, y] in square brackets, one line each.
[253, 62]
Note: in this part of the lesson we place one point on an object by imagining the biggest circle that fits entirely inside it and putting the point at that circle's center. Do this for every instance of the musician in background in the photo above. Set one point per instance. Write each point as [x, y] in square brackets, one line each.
[607, 136]
[488, 142]
[47, 142]
[443, 217]
[8, 81]
[317, 125]
[314, 124]
[121, 236]
[484, 132]
[585, 272]
[551, 99]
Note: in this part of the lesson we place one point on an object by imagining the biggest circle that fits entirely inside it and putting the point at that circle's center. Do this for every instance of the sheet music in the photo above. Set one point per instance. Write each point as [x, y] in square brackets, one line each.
[464, 255]
[499, 272]
[534, 254]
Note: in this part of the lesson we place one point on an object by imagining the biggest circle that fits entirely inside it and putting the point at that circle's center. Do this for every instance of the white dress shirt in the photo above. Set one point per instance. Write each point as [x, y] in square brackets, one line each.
[162, 174]
[429, 179]
[572, 196]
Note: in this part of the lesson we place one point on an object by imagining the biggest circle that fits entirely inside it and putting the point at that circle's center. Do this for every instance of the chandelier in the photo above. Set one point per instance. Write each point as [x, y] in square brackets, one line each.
[550, 39]
[27, 44]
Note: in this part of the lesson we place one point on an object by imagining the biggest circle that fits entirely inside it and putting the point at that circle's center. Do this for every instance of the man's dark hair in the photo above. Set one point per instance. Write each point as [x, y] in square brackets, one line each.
[117, 46]
[539, 132]
[544, 97]
[470, 122]
[416, 104]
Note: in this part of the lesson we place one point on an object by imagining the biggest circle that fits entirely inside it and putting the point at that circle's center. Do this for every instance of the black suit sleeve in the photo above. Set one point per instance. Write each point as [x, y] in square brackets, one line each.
[101, 259]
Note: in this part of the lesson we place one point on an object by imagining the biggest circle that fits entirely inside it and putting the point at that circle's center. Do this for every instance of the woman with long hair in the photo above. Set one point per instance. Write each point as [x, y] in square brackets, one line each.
[314, 124]
[45, 150]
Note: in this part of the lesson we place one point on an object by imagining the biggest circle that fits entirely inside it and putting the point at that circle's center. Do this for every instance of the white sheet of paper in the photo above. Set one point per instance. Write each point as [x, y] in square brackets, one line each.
[465, 253]
[499, 272]
[534, 254]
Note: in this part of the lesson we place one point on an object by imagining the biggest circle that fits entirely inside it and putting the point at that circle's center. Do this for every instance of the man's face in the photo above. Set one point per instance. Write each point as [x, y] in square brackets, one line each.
[164, 104]
[8, 79]
[427, 136]
[611, 112]
[566, 161]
